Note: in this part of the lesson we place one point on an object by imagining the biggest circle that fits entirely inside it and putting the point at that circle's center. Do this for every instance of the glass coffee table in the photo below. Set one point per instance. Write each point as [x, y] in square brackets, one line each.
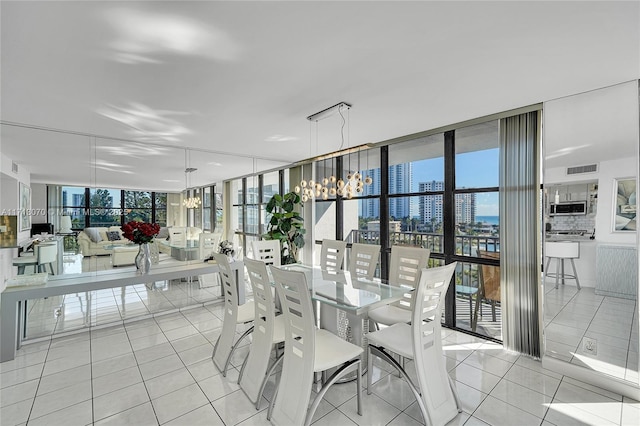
[188, 251]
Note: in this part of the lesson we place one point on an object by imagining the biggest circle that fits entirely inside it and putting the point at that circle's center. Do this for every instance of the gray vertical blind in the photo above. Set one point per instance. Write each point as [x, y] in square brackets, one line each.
[519, 233]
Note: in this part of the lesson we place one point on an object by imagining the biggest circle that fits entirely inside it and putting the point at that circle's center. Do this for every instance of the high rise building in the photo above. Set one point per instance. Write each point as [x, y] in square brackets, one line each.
[400, 180]
[431, 205]
[371, 208]
[465, 208]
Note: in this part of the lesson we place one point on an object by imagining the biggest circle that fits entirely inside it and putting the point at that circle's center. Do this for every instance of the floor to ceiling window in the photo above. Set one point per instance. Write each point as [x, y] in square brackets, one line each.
[438, 192]
[74, 205]
[250, 196]
[103, 207]
[416, 188]
[477, 228]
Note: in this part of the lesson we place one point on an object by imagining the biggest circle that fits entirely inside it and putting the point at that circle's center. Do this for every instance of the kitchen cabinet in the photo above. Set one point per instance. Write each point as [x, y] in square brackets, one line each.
[571, 192]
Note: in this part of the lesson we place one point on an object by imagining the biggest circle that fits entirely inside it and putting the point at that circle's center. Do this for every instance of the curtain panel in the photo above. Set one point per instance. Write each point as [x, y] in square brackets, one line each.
[520, 232]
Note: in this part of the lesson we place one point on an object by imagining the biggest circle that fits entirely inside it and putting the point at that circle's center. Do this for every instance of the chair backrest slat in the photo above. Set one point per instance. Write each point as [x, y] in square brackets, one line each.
[178, 236]
[294, 391]
[230, 294]
[363, 259]
[332, 254]
[433, 378]
[267, 251]
[405, 269]
[208, 243]
[262, 338]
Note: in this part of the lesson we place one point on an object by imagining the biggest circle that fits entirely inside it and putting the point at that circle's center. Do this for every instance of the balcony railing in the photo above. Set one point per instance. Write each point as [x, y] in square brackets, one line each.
[467, 277]
[466, 245]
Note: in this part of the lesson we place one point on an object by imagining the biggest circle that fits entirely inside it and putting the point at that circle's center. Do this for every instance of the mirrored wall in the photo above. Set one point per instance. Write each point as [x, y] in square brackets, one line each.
[87, 187]
[590, 176]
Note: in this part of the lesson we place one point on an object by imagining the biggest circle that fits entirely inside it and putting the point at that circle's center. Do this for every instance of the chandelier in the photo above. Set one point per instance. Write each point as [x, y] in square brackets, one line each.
[189, 202]
[349, 186]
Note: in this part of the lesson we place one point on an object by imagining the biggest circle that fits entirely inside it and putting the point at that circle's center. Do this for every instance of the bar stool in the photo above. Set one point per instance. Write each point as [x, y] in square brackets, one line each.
[560, 251]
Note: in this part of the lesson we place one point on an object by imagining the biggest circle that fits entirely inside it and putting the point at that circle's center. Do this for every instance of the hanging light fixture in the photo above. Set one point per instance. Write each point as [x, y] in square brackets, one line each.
[352, 184]
[189, 202]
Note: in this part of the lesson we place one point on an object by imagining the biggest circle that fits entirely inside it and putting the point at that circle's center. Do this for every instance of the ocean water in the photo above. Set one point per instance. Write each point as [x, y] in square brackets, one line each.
[491, 220]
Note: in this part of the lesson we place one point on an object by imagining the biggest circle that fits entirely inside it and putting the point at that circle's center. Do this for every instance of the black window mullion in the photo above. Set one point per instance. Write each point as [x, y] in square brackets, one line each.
[448, 219]
[87, 207]
[153, 207]
[384, 212]
[122, 207]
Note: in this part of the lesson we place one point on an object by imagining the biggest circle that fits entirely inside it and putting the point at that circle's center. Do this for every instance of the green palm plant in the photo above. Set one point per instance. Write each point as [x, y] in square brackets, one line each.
[286, 225]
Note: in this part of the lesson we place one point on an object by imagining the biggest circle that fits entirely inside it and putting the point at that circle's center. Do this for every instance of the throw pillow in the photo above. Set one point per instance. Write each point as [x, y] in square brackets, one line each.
[113, 235]
[94, 234]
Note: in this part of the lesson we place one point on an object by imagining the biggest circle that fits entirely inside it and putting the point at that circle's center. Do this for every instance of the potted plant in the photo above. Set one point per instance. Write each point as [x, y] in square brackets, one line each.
[286, 225]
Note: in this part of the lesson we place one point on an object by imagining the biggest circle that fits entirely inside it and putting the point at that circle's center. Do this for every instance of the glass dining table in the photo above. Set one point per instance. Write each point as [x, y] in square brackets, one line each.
[343, 301]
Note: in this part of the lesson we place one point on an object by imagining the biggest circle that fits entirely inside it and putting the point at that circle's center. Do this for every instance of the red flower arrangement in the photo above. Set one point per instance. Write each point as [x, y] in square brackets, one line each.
[140, 232]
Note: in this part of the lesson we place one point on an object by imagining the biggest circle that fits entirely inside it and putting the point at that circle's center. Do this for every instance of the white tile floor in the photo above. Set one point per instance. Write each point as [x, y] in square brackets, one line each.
[158, 370]
[572, 316]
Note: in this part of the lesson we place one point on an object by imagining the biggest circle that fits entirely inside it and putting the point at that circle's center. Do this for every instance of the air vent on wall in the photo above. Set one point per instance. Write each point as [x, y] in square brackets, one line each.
[589, 168]
[14, 167]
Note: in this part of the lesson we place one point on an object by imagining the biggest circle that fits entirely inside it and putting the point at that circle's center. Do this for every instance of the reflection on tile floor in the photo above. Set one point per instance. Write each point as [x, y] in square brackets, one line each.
[158, 370]
[577, 321]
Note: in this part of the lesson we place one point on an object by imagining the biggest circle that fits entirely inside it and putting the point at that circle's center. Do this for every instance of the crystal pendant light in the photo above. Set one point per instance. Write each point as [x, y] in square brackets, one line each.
[349, 186]
[189, 202]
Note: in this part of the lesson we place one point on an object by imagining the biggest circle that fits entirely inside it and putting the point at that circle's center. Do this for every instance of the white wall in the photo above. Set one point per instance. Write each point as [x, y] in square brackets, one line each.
[39, 203]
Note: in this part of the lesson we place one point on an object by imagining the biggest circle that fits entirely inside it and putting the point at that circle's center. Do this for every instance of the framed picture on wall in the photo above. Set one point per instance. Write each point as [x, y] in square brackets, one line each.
[624, 202]
[25, 207]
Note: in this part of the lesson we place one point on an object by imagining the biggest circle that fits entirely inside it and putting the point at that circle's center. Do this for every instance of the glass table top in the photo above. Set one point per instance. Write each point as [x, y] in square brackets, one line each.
[342, 290]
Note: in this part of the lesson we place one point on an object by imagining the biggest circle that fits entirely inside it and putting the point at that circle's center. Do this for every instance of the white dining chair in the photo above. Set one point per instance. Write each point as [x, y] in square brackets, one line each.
[406, 266]
[268, 331]
[208, 244]
[307, 350]
[44, 254]
[421, 341]
[178, 237]
[267, 251]
[234, 315]
[332, 254]
[363, 259]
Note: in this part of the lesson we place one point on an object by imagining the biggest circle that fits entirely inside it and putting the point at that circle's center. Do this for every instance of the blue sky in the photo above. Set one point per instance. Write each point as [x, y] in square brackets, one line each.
[476, 169]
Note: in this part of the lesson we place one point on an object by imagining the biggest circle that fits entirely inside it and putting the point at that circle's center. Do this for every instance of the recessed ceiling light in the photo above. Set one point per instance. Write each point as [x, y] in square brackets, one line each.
[213, 163]
[170, 180]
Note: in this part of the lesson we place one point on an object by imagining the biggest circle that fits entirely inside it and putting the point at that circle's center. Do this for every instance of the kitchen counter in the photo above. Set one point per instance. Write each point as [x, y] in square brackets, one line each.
[583, 238]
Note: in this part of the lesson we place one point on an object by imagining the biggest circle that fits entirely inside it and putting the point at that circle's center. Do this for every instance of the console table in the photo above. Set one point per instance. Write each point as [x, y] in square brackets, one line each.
[12, 298]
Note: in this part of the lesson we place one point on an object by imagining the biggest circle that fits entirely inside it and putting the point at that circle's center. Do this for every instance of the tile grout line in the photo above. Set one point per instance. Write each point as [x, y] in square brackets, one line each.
[33, 403]
[213, 365]
[133, 352]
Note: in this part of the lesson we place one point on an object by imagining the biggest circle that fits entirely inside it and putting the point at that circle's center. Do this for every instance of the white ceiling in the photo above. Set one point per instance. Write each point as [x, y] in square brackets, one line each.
[240, 77]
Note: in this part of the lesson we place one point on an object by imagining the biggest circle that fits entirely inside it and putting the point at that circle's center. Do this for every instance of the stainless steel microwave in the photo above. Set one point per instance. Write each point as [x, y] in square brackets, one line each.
[569, 208]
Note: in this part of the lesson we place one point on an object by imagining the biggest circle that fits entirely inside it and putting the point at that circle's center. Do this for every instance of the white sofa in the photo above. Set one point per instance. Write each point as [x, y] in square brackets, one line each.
[93, 240]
